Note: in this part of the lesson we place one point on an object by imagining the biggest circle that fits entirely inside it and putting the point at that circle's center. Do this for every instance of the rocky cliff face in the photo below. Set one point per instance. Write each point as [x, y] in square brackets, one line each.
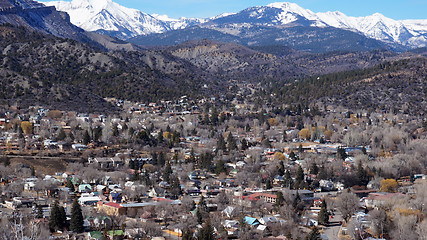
[36, 16]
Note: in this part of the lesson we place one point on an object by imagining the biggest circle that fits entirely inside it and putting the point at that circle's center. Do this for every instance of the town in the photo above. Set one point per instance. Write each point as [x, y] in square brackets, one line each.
[212, 168]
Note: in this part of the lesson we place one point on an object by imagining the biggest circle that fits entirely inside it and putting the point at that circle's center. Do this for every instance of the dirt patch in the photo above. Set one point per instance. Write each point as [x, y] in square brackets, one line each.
[44, 166]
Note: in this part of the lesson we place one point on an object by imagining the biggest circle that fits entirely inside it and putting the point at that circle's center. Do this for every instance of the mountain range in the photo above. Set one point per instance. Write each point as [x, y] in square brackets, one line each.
[46, 60]
[108, 17]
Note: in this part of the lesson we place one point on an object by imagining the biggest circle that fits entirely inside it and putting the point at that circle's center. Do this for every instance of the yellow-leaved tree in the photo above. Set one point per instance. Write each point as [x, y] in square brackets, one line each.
[389, 185]
[27, 127]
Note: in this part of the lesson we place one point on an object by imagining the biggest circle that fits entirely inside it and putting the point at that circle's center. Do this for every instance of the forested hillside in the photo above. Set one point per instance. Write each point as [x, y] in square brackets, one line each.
[399, 86]
[64, 74]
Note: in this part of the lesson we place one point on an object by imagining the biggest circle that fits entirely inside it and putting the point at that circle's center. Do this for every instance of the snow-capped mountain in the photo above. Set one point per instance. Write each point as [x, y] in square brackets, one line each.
[109, 17]
[377, 26]
[181, 23]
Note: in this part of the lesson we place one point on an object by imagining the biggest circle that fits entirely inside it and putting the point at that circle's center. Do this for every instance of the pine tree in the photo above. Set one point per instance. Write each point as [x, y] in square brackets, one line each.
[299, 176]
[175, 187]
[61, 135]
[313, 235]
[86, 138]
[62, 218]
[70, 184]
[231, 142]
[362, 175]
[155, 159]
[268, 184]
[76, 222]
[314, 169]
[55, 218]
[221, 143]
[162, 159]
[281, 169]
[207, 232]
[167, 172]
[323, 217]
[220, 167]
[244, 144]
[288, 180]
[280, 199]
[341, 154]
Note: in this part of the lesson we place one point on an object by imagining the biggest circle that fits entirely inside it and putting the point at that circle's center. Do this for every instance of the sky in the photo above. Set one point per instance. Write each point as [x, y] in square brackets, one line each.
[395, 9]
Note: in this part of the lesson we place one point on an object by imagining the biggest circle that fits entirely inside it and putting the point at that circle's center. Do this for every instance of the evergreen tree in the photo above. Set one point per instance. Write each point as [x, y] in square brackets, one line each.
[323, 217]
[207, 232]
[288, 180]
[231, 142]
[160, 136]
[268, 184]
[175, 187]
[221, 145]
[323, 174]
[280, 199]
[206, 161]
[55, 220]
[86, 138]
[62, 218]
[214, 117]
[341, 154]
[300, 175]
[70, 184]
[244, 144]
[362, 175]
[314, 234]
[281, 169]
[76, 222]
[61, 135]
[155, 159]
[33, 171]
[220, 167]
[314, 169]
[162, 159]
[167, 171]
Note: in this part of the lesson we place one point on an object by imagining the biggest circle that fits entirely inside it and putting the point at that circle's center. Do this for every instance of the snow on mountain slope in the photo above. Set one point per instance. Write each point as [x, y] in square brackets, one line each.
[290, 10]
[108, 16]
[93, 15]
[181, 23]
[419, 25]
[114, 19]
[376, 26]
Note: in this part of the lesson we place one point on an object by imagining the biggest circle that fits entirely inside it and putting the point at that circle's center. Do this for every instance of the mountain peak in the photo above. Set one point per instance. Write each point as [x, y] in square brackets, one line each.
[285, 5]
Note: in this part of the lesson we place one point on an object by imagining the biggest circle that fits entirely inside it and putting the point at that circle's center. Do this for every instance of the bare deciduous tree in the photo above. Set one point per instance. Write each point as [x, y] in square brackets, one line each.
[347, 203]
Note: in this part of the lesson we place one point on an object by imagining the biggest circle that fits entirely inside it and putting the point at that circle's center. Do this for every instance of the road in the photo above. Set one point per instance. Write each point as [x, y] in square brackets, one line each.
[333, 229]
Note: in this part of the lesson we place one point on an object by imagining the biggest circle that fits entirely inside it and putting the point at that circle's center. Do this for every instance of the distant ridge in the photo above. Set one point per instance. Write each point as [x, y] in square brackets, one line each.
[110, 18]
